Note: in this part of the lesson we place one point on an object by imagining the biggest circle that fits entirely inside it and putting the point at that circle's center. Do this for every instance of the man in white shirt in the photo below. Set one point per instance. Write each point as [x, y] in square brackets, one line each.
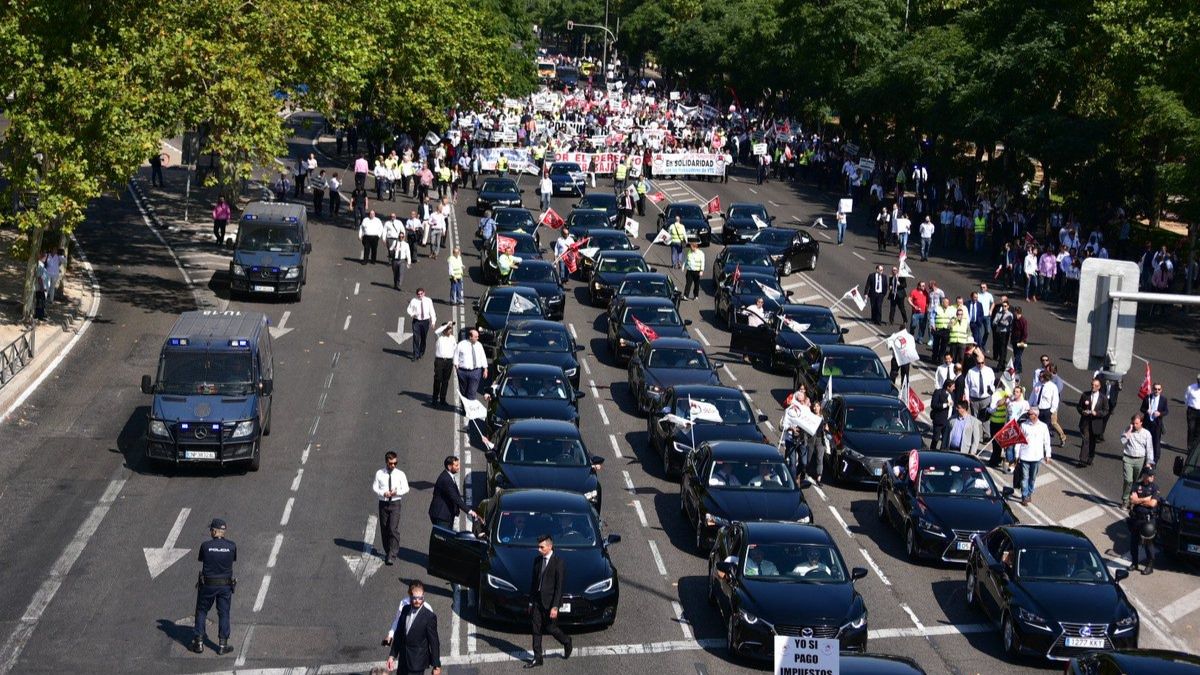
[1046, 399]
[1032, 452]
[401, 258]
[926, 230]
[560, 249]
[546, 190]
[981, 382]
[443, 362]
[423, 315]
[389, 486]
[1192, 399]
[988, 301]
[470, 364]
[415, 227]
[369, 233]
[393, 228]
[944, 372]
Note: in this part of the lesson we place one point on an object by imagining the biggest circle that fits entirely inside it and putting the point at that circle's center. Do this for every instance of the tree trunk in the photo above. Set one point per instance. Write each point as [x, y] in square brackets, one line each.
[35, 250]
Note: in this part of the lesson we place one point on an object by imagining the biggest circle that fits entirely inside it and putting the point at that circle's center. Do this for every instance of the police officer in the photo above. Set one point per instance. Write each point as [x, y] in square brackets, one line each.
[216, 583]
[1144, 499]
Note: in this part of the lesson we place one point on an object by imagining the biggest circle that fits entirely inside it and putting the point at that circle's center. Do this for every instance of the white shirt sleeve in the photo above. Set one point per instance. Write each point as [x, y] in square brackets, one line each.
[379, 486]
[399, 483]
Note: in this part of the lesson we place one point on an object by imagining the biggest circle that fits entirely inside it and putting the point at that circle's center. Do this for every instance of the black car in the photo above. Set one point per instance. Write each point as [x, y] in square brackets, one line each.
[673, 438]
[1179, 517]
[567, 77]
[789, 249]
[648, 285]
[740, 222]
[611, 268]
[789, 579]
[1135, 662]
[727, 481]
[867, 431]
[542, 276]
[877, 664]
[952, 499]
[602, 201]
[497, 557]
[580, 222]
[538, 453]
[853, 369]
[538, 341]
[598, 242]
[1050, 592]
[568, 179]
[516, 220]
[664, 363]
[731, 298]
[657, 314]
[790, 333]
[493, 311]
[497, 192]
[749, 258]
[694, 220]
[532, 391]
[525, 247]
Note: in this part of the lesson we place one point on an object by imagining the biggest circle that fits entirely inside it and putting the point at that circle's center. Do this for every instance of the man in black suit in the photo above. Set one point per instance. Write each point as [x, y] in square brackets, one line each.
[897, 294]
[1154, 409]
[414, 637]
[546, 591]
[875, 288]
[1093, 408]
[447, 500]
[939, 411]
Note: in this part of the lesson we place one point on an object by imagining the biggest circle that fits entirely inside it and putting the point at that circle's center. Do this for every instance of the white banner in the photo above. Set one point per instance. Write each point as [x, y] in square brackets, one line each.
[904, 347]
[759, 149]
[518, 159]
[846, 205]
[806, 655]
[688, 164]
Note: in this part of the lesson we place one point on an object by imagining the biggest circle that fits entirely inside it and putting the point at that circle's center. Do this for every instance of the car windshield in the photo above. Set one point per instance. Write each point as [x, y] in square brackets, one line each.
[526, 272]
[879, 419]
[752, 285]
[813, 322]
[538, 340]
[535, 386]
[586, 219]
[732, 409]
[184, 373]
[805, 563]
[554, 451]
[748, 258]
[506, 188]
[610, 241]
[500, 304]
[511, 219]
[683, 359]
[652, 316]
[525, 245]
[961, 479]
[748, 210]
[271, 238]
[752, 475]
[1060, 564]
[773, 238]
[564, 169]
[522, 528]
[622, 264]
[683, 211]
[601, 201]
[564, 71]
[865, 366]
[654, 288]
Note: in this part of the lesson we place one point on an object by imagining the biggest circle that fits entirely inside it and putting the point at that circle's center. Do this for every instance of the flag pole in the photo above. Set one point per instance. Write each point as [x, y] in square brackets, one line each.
[692, 423]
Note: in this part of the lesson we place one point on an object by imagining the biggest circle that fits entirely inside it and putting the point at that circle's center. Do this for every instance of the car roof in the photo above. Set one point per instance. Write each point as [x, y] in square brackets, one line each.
[511, 290]
[1160, 661]
[737, 204]
[543, 428]
[803, 307]
[878, 664]
[520, 236]
[1046, 535]
[683, 205]
[847, 350]
[785, 532]
[786, 230]
[500, 209]
[646, 276]
[744, 450]
[929, 457]
[706, 390]
[535, 262]
[757, 276]
[738, 248]
[605, 232]
[620, 254]
[534, 369]
[675, 343]
[498, 181]
[881, 400]
[599, 196]
[567, 164]
[543, 500]
[646, 301]
[530, 324]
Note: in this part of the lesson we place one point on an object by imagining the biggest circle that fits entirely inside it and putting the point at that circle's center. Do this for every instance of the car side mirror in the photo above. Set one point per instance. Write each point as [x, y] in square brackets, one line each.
[771, 219]
[578, 348]
[579, 395]
[726, 568]
[308, 247]
[1121, 575]
[612, 539]
[789, 293]
[718, 364]
[148, 388]
[1007, 491]
[897, 472]
[858, 573]
[687, 322]
[653, 269]
[266, 387]
[637, 247]
[597, 460]
[763, 418]
[1178, 467]
[475, 306]
[845, 331]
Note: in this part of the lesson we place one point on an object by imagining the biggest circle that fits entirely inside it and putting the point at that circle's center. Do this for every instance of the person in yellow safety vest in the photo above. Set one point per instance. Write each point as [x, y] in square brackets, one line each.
[693, 268]
[941, 328]
[502, 165]
[960, 332]
[997, 419]
[505, 263]
[619, 175]
[443, 180]
[642, 186]
[539, 156]
[678, 235]
[980, 230]
[454, 265]
[407, 169]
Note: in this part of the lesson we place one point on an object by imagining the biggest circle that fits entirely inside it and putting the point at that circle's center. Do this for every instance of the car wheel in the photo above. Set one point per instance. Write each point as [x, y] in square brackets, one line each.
[813, 264]
[1012, 643]
[255, 458]
[881, 506]
[910, 543]
[787, 267]
[972, 588]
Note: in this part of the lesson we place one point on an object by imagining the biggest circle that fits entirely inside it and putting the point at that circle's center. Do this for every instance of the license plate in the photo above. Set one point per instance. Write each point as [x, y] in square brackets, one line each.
[1193, 548]
[199, 454]
[1086, 643]
[878, 471]
[263, 289]
[564, 608]
[963, 545]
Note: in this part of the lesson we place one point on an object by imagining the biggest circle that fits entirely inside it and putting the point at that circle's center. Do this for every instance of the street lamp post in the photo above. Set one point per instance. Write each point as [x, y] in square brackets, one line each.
[571, 25]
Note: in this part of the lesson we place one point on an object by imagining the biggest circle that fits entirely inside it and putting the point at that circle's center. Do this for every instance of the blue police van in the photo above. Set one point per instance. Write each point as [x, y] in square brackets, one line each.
[212, 392]
[270, 255]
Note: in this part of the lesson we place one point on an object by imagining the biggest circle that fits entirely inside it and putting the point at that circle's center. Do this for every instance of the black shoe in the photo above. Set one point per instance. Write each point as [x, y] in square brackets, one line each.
[197, 645]
[532, 663]
[1148, 569]
[387, 561]
[567, 649]
[224, 648]
[1133, 568]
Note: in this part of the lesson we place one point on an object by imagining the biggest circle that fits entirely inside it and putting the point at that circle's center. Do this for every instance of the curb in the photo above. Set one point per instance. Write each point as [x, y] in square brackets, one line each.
[53, 352]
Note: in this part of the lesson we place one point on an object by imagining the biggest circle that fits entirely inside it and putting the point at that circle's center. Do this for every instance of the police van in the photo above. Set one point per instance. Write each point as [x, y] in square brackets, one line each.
[212, 392]
[270, 256]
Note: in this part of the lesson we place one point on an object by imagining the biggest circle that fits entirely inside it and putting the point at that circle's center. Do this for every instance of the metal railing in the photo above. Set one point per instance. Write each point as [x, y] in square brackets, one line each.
[14, 357]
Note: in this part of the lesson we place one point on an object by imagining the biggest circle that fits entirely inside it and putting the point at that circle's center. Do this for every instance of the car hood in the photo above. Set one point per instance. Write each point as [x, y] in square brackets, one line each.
[611, 278]
[266, 259]
[1185, 494]
[536, 408]
[488, 195]
[692, 224]
[741, 222]
[214, 408]
[793, 340]
[749, 504]
[747, 269]
[545, 289]
[719, 432]
[564, 360]
[579, 479]
[967, 513]
[585, 566]
[497, 320]
[673, 377]
[1073, 602]
[799, 604]
[860, 385]
[882, 445]
[631, 333]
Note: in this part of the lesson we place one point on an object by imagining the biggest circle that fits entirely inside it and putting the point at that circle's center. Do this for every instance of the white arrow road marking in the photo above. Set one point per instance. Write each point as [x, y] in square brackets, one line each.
[365, 564]
[159, 559]
[282, 329]
[400, 336]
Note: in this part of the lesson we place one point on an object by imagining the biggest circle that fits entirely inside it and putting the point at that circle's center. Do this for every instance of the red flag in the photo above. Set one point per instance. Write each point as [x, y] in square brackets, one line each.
[1030, 240]
[997, 274]
[657, 197]
[505, 244]
[737, 273]
[1010, 434]
[1147, 384]
[646, 331]
[915, 405]
[713, 205]
[552, 220]
[571, 259]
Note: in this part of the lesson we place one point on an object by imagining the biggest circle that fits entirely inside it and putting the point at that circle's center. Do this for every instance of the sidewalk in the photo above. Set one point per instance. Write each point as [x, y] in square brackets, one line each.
[66, 319]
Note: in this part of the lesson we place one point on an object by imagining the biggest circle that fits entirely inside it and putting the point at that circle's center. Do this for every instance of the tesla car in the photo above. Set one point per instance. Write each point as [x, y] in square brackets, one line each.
[550, 454]
[532, 390]
[538, 341]
[867, 431]
[493, 311]
[740, 222]
[674, 429]
[542, 276]
[853, 369]
[694, 220]
[664, 363]
[789, 249]
[497, 192]
[748, 258]
[656, 314]
[610, 270]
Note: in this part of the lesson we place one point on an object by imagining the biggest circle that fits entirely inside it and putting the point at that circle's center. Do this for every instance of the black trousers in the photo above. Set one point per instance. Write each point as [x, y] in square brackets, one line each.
[938, 429]
[441, 378]
[544, 625]
[1000, 347]
[1087, 446]
[1137, 545]
[389, 527]
[1193, 428]
[876, 309]
[898, 304]
[370, 245]
[301, 179]
[997, 451]
[219, 229]
[1156, 430]
[335, 202]
[205, 597]
[691, 287]
[420, 333]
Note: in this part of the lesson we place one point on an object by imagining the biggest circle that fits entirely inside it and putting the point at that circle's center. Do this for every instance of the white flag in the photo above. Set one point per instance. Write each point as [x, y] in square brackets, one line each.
[473, 409]
[905, 270]
[521, 304]
[1008, 379]
[771, 293]
[590, 252]
[904, 347]
[663, 237]
[857, 297]
[703, 410]
[758, 222]
[796, 325]
[632, 227]
[828, 396]
[678, 421]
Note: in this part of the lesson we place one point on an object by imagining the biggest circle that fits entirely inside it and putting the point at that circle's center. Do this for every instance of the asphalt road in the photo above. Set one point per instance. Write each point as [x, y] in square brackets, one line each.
[79, 505]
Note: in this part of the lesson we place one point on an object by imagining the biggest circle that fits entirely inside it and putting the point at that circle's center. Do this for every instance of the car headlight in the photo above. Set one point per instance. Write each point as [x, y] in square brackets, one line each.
[159, 428]
[654, 389]
[1029, 617]
[293, 273]
[500, 584]
[715, 521]
[597, 286]
[243, 429]
[1127, 624]
[854, 455]
[591, 495]
[780, 348]
[571, 372]
[681, 448]
[858, 622]
[747, 617]
[776, 258]
[806, 519]
[623, 342]
[238, 270]
[929, 526]
[599, 587]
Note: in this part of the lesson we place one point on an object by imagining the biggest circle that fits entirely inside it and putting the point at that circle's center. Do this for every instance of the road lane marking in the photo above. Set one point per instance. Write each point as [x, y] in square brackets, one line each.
[878, 571]
[573, 333]
[772, 203]
[703, 339]
[807, 298]
[684, 624]
[858, 255]
[262, 593]
[913, 615]
[658, 561]
[628, 480]
[241, 658]
[304, 455]
[271, 559]
[641, 514]
[316, 423]
[1076, 519]
[795, 285]
[752, 190]
[866, 340]
[586, 367]
[356, 288]
[287, 512]
[616, 448]
[603, 415]
[595, 391]
[838, 517]
[819, 491]
[346, 326]
[729, 372]
[296, 480]
[1147, 620]
[1181, 607]
[827, 237]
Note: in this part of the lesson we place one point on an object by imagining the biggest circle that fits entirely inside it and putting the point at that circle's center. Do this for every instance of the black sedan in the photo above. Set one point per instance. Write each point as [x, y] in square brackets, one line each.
[497, 192]
[1135, 662]
[521, 221]
[791, 332]
[1050, 592]
[784, 578]
[867, 431]
[749, 258]
[598, 242]
[694, 220]
[497, 558]
[532, 391]
[610, 270]
[790, 250]
[853, 369]
[550, 454]
[695, 413]
[542, 276]
[582, 221]
[602, 201]
[664, 363]
[648, 285]
[494, 310]
[656, 314]
[1179, 512]
[743, 221]
[727, 481]
[731, 298]
[952, 499]
[538, 341]
[568, 179]
[525, 247]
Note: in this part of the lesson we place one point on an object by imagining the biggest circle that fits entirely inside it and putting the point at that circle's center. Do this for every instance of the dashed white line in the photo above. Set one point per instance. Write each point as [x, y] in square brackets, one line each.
[820, 492]
[241, 659]
[658, 561]
[703, 339]
[858, 255]
[729, 372]
[595, 391]
[806, 299]
[865, 340]
[684, 624]
[296, 480]
[603, 414]
[913, 615]
[586, 368]
[752, 190]
[616, 448]
[573, 333]
[304, 455]
[287, 511]
[838, 517]
[1181, 607]
[795, 285]
[878, 571]
[346, 326]
[275, 550]
[262, 593]
[641, 514]
[356, 288]
[772, 203]
[628, 480]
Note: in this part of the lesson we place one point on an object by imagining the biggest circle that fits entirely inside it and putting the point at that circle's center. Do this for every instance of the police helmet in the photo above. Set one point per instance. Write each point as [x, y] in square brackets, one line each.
[1148, 529]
